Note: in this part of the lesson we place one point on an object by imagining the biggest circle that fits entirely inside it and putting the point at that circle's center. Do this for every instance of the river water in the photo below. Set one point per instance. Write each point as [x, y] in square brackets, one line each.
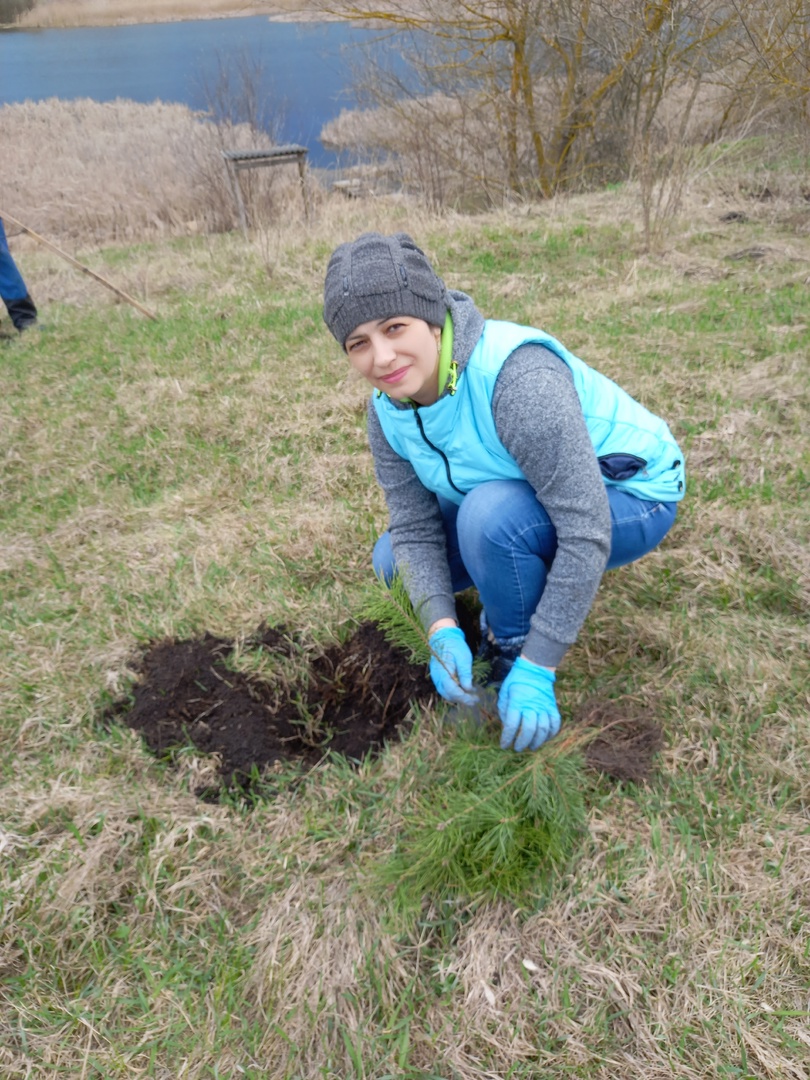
[306, 69]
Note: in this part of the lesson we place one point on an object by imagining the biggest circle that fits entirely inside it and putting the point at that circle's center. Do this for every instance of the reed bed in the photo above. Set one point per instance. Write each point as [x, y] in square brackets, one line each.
[62, 13]
[89, 173]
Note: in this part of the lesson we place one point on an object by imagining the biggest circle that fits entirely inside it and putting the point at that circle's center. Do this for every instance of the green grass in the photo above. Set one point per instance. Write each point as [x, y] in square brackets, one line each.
[209, 471]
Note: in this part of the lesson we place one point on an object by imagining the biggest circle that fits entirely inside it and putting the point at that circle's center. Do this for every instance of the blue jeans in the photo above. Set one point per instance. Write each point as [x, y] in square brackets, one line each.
[21, 308]
[502, 542]
[12, 286]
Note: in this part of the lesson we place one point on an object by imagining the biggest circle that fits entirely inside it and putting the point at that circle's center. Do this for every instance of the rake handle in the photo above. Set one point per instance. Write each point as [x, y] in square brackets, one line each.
[75, 262]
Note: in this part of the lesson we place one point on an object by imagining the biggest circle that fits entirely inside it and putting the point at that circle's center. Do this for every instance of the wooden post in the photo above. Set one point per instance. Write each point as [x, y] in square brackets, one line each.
[236, 191]
[302, 172]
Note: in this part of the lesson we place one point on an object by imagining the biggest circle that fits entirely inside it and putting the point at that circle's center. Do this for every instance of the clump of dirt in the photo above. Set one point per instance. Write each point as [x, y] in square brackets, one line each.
[626, 743]
[351, 699]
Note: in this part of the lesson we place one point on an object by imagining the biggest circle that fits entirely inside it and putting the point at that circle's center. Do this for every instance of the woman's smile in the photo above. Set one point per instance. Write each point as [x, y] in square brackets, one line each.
[395, 376]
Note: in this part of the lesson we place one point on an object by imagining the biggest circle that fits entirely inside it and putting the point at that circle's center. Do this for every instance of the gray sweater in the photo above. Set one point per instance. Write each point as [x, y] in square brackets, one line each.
[539, 420]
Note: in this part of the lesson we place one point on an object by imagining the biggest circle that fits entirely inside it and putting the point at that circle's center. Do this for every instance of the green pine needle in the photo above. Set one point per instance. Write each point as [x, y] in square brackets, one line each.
[491, 823]
[488, 822]
[390, 607]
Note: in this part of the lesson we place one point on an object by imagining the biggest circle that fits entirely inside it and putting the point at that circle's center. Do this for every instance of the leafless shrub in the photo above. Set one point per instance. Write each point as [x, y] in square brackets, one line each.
[244, 115]
[667, 151]
[444, 148]
[536, 83]
[425, 146]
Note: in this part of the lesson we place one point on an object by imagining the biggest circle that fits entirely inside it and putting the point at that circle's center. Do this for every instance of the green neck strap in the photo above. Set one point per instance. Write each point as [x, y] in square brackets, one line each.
[448, 370]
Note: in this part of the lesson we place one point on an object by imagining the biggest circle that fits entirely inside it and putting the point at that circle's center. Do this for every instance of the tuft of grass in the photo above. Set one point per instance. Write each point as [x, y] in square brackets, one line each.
[389, 606]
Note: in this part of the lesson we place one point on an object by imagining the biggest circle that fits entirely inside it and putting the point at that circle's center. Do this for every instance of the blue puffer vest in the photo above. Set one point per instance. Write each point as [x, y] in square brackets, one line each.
[453, 445]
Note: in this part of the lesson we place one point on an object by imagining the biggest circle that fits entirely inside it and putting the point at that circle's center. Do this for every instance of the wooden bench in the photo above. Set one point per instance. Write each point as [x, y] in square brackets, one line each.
[237, 160]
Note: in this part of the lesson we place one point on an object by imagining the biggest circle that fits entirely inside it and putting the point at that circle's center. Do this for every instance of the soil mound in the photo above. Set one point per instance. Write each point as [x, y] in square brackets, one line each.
[626, 741]
[351, 699]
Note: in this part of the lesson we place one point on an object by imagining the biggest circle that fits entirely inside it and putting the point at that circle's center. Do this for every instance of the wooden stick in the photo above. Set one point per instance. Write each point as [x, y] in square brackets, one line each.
[74, 262]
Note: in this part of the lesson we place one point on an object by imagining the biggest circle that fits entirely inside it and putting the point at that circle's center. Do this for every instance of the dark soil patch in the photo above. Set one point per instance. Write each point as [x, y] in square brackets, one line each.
[351, 699]
[626, 743]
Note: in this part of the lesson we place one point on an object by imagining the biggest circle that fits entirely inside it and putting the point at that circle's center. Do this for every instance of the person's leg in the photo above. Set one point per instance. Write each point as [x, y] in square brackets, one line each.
[385, 565]
[13, 291]
[507, 543]
[636, 526]
[502, 541]
[12, 286]
[22, 312]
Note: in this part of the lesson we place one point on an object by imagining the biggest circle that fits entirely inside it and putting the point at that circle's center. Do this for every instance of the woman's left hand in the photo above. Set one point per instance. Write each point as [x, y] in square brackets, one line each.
[527, 706]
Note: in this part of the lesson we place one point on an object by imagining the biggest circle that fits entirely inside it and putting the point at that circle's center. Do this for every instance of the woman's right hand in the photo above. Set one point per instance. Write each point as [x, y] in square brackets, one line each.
[451, 665]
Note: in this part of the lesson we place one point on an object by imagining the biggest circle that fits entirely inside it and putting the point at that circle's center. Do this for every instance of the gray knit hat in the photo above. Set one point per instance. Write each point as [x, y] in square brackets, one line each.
[375, 277]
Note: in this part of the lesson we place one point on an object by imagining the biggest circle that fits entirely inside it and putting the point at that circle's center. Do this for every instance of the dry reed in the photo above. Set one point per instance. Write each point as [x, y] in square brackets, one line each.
[91, 172]
[59, 13]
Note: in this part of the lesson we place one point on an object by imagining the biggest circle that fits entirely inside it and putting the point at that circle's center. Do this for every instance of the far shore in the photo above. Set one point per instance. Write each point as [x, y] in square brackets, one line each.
[70, 13]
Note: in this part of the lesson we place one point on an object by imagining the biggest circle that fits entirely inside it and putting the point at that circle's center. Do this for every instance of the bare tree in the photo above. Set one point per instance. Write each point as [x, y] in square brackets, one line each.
[537, 83]
[774, 50]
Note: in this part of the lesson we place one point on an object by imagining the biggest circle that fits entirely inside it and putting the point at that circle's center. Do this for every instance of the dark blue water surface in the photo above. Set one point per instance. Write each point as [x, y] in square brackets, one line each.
[306, 68]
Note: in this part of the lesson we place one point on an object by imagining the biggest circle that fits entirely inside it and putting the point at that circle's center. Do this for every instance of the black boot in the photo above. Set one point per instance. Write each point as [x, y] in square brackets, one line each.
[500, 657]
[23, 312]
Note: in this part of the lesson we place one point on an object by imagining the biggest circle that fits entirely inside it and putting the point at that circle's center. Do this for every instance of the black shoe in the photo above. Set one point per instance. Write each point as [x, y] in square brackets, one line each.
[505, 657]
[22, 312]
[500, 659]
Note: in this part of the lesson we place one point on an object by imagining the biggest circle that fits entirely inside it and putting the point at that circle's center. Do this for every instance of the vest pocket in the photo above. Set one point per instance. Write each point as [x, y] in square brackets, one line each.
[621, 466]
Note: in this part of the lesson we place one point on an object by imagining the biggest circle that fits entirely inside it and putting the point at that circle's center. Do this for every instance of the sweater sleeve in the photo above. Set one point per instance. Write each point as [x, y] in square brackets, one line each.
[539, 419]
[417, 529]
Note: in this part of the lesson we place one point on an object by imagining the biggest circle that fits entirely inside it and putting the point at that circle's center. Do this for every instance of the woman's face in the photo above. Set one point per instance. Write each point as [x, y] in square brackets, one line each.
[399, 356]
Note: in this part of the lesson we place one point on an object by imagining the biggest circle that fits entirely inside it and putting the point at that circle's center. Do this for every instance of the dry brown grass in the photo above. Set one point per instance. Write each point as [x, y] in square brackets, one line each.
[86, 172]
[57, 13]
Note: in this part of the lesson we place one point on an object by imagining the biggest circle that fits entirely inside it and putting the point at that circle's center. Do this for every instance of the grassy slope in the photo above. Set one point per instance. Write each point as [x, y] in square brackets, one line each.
[209, 471]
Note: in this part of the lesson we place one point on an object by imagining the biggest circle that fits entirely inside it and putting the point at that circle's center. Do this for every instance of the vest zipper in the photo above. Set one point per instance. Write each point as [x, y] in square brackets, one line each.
[438, 451]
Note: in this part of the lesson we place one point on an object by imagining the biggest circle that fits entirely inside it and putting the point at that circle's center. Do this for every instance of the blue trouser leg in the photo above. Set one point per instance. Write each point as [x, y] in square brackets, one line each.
[12, 286]
[502, 541]
[385, 565]
[21, 307]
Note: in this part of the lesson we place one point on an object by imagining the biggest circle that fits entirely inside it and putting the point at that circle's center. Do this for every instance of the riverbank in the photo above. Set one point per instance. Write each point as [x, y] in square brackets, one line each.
[67, 13]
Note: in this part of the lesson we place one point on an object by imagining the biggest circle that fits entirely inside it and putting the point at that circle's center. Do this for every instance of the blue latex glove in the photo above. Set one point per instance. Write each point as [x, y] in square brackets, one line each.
[451, 665]
[527, 706]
